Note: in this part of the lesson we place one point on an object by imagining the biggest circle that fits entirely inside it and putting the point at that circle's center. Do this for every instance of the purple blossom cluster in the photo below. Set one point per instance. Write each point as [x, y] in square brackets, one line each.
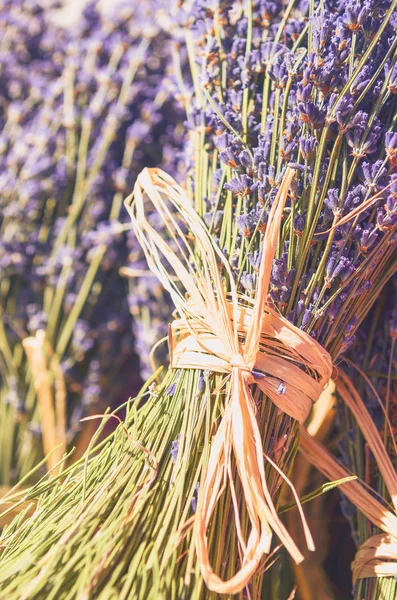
[31, 57]
[315, 90]
[82, 112]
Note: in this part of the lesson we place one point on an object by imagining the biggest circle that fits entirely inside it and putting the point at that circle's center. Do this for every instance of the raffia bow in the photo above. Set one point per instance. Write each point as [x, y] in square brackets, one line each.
[377, 556]
[229, 333]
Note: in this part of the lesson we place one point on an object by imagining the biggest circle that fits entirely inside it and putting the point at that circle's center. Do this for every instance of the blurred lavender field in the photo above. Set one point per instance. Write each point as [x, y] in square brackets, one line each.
[85, 104]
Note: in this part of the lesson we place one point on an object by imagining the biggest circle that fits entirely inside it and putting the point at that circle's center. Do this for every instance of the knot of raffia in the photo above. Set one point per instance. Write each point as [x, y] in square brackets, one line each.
[247, 340]
[287, 365]
[237, 362]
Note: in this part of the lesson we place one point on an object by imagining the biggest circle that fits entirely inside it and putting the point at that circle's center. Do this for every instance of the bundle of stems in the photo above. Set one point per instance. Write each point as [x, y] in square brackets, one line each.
[307, 85]
[373, 373]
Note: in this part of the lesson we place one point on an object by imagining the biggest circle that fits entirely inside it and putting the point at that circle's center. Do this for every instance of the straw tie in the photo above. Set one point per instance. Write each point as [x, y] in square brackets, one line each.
[246, 339]
[377, 556]
[238, 362]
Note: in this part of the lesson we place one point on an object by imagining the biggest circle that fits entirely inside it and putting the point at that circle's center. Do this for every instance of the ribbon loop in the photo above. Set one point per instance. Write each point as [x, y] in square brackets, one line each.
[220, 331]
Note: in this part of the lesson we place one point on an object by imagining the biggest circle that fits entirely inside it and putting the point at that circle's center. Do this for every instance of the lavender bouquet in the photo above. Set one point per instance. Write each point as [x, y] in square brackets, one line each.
[79, 114]
[306, 89]
[366, 441]
[373, 373]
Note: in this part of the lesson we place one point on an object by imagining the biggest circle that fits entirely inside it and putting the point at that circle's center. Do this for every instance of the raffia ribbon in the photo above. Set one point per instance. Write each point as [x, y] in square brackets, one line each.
[227, 333]
[50, 388]
[377, 556]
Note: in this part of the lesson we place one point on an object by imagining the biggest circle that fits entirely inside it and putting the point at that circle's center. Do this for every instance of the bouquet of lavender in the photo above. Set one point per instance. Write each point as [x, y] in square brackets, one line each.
[292, 154]
[80, 111]
[367, 424]
[375, 355]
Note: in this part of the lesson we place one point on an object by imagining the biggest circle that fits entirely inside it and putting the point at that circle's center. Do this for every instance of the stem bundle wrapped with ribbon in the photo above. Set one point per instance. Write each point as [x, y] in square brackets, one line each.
[246, 340]
[377, 555]
[367, 424]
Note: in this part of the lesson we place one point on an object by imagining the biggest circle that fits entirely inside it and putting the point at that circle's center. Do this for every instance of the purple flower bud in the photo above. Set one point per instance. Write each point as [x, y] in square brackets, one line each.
[356, 14]
[201, 384]
[245, 225]
[175, 448]
[171, 389]
[278, 72]
[307, 316]
[308, 144]
[329, 270]
[299, 224]
[300, 307]
[258, 374]
[332, 200]
[391, 147]
[245, 159]
[343, 108]
[194, 500]
[248, 282]
[234, 260]
[310, 114]
[240, 186]
[255, 260]
[287, 149]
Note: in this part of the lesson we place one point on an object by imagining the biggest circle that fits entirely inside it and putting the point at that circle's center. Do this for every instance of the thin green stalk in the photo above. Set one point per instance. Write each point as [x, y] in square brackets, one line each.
[67, 329]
